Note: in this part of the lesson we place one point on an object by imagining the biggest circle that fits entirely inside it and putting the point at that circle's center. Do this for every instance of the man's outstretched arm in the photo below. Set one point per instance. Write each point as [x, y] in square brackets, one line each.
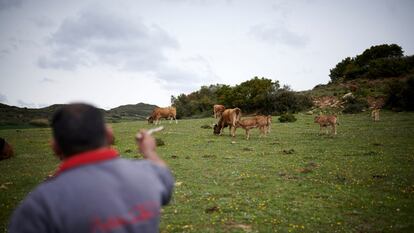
[147, 147]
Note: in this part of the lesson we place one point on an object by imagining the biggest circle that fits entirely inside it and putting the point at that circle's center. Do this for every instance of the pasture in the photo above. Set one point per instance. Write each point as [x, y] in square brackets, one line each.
[294, 180]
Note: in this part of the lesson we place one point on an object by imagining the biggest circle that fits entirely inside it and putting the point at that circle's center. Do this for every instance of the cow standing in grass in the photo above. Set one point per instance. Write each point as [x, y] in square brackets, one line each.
[327, 120]
[218, 110]
[375, 114]
[261, 122]
[265, 123]
[167, 113]
[228, 118]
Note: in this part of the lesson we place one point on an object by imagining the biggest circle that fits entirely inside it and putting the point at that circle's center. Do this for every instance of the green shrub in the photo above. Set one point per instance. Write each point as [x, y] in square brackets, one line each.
[287, 117]
[355, 105]
[289, 101]
[401, 95]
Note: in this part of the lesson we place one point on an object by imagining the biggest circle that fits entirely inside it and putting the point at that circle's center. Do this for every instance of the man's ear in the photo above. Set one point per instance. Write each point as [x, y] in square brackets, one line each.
[110, 139]
[56, 149]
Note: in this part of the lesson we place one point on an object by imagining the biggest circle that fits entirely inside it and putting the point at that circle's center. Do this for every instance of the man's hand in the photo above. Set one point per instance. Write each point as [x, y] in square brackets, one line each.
[147, 147]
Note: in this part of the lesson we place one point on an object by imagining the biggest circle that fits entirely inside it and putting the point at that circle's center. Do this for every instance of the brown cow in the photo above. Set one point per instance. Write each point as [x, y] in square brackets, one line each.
[167, 113]
[228, 118]
[327, 120]
[6, 151]
[218, 110]
[261, 122]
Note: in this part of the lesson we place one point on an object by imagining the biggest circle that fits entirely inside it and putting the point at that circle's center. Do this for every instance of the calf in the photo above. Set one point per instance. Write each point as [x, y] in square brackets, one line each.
[261, 122]
[228, 118]
[167, 113]
[375, 114]
[265, 123]
[327, 120]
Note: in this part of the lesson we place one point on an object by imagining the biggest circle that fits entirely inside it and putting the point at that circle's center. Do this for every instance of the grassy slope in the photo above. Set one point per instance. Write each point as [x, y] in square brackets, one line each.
[362, 180]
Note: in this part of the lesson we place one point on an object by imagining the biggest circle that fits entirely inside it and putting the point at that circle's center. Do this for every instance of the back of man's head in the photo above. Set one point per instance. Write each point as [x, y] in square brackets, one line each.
[78, 128]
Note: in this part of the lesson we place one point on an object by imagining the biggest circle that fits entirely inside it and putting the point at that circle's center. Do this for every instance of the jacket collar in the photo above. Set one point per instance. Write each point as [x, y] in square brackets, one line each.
[86, 158]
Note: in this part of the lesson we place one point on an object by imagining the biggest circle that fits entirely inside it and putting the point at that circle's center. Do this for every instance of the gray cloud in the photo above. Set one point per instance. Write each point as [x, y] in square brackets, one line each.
[4, 52]
[98, 37]
[15, 44]
[198, 72]
[43, 22]
[198, 2]
[274, 35]
[47, 80]
[7, 4]
[3, 98]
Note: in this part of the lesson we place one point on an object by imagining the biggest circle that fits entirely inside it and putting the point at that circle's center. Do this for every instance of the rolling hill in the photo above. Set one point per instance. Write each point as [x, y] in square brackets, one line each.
[15, 116]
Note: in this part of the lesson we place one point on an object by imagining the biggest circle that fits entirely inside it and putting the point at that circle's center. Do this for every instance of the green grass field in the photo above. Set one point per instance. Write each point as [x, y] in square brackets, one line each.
[294, 180]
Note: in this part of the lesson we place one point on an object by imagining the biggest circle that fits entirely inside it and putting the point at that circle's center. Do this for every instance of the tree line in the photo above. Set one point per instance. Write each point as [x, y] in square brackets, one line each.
[255, 96]
[379, 61]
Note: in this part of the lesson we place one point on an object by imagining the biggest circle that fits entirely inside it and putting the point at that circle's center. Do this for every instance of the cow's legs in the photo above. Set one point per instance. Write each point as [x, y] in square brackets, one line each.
[263, 131]
[334, 128]
[247, 134]
[233, 131]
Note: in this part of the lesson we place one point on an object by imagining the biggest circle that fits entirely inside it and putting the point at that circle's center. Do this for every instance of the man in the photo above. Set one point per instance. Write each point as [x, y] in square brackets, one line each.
[94, 190]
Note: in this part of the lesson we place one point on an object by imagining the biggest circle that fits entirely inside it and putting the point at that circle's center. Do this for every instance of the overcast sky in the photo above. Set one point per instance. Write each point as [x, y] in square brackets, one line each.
[111, 53]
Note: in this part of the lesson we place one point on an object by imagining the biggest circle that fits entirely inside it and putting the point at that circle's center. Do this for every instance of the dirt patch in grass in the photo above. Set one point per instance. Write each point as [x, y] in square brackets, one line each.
[159, 142]
[212, 209]
[378, 177]
[242, 226]
[309, 167]
[371, 153]
[128, 151]
[247, 149]
[377, 144]
[367, 153]
[288, 151]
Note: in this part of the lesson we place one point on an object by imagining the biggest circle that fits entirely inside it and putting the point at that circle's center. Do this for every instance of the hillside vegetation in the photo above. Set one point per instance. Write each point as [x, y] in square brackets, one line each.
[379, 77]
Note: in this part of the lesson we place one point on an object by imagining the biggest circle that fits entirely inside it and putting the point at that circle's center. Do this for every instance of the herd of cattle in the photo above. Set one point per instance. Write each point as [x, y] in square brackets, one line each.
[232, 118]
[226, 117]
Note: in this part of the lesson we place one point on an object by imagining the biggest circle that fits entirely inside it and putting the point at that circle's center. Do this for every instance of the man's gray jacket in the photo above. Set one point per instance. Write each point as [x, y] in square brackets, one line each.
[97, 191]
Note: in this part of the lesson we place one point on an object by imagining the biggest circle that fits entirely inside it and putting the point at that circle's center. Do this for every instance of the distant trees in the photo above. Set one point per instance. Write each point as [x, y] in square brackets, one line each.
[257, 95]
[378, 61]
